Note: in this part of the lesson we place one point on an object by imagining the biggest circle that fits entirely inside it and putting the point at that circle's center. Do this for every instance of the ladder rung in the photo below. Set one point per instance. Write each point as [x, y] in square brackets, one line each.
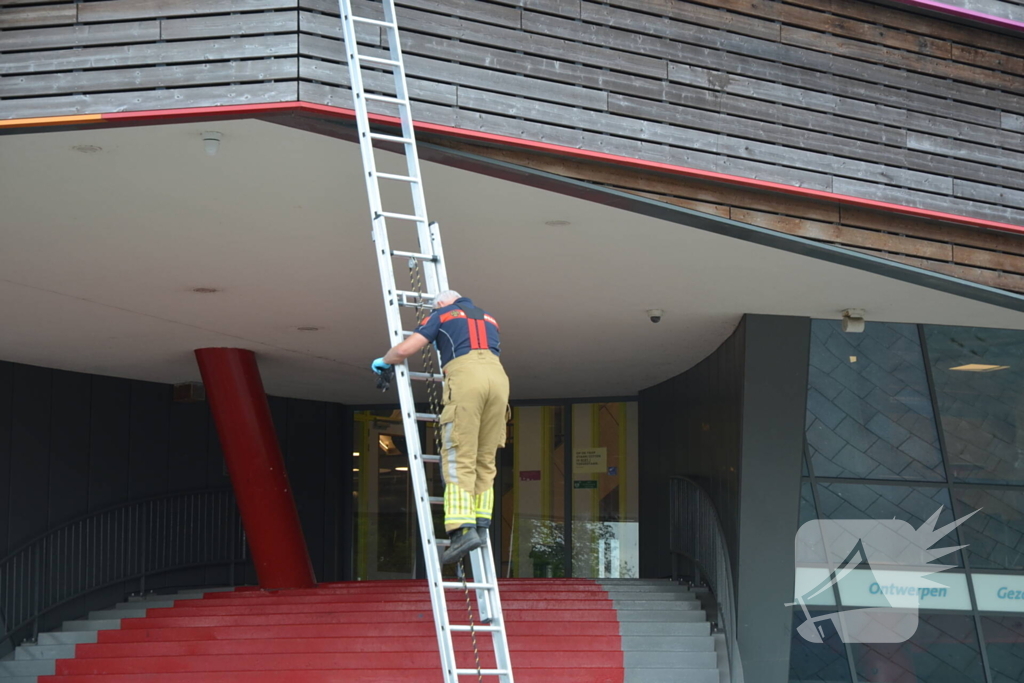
[482, 672]
[374, 22]
[431, 458]
[418, 300]
[391, 138]
[386, 98]
[436, 500]
[413, 254]
[464, 628]
[402, 216]
[477, 586]
[378, 60]
[427, 417]
[392, 176]
[442, 542]
[426, 376]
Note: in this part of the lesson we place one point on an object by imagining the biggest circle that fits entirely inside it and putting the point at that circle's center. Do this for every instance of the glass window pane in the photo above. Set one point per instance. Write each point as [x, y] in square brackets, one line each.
[912, 504]
[816, 662]
[605, 533]
[807, 511]
[996, 532]
[385, 515]
[1004, 641]
[534, 492]
[869, 410]
[979, 382]
[943, 650]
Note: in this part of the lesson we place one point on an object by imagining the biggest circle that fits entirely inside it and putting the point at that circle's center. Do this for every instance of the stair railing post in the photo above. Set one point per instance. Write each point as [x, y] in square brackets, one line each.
[143, 517]
[38, 578]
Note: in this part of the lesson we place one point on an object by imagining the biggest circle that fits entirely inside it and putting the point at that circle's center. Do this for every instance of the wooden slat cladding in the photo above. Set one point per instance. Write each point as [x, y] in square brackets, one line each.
[842, 96]
[992, 259]
[131, 55]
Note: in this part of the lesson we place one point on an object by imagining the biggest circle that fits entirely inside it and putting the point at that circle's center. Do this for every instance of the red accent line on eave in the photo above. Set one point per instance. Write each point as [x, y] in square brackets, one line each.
[236, 111]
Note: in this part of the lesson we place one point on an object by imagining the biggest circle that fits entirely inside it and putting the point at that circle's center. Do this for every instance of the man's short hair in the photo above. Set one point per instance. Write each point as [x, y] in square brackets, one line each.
[448, 295]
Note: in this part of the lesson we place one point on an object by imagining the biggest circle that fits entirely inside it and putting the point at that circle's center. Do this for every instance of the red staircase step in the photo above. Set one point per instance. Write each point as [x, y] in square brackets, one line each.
[141, 635]
[333, 660]
[422, 642]
[555, 675]
[367, 632]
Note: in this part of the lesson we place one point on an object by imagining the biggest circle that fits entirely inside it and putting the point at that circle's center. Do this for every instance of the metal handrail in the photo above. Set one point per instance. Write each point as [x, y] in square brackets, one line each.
[696, 533]
[122, 543]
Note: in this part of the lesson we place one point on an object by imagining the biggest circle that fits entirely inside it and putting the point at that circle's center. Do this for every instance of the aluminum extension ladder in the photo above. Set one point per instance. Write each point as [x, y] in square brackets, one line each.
[431, 258]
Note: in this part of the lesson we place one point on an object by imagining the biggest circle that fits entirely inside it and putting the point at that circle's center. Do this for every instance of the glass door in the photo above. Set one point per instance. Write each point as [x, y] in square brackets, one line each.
[605, 533]
[532, 493]
[385, 516]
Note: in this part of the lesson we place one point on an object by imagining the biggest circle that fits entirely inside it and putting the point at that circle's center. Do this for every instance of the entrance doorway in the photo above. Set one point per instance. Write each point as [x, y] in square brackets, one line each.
[595, 443]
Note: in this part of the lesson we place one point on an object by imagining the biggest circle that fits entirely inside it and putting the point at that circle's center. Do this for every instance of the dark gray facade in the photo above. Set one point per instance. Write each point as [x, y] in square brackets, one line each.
[734, 423]
[72, 444]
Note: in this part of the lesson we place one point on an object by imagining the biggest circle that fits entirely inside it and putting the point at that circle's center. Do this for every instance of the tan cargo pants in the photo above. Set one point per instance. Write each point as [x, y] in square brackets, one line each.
[473, 425]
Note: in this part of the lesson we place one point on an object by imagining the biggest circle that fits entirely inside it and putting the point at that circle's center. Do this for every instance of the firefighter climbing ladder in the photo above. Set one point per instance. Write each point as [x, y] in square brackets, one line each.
[435, 280]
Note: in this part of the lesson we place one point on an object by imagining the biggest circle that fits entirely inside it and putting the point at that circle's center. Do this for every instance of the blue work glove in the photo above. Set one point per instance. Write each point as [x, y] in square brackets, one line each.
[379, 366]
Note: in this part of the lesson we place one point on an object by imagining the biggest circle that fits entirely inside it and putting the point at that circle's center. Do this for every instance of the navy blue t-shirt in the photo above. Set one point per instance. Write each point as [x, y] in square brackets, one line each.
[455, 332]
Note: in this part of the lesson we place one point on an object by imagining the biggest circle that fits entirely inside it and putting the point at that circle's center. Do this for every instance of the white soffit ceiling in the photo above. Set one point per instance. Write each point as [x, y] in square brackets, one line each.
[105, 233]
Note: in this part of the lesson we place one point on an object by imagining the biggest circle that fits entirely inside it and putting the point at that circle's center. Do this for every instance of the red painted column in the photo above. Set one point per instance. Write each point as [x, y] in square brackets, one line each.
[242, 415]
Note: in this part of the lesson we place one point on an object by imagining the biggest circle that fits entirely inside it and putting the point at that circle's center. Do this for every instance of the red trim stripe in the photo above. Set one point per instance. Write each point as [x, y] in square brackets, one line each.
[247, 111]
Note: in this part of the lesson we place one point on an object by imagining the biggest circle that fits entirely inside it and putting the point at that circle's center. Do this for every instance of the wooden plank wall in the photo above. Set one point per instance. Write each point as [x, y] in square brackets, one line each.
[988, 258]
[839, 95]
[1006, 9]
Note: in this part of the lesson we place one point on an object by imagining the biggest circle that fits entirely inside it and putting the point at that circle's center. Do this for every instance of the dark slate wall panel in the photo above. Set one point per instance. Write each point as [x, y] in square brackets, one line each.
[304, 459]
[188, 440]
[690, 425]
[147, 452]
[73, 443]
[6, 394]
[30, 453]
[110, 439]
[69, 446]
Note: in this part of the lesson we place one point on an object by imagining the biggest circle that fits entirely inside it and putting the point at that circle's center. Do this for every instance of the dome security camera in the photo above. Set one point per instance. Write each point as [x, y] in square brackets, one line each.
[655, 314]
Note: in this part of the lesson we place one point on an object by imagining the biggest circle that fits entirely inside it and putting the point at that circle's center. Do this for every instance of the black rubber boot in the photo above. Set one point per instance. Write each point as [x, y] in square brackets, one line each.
[464, 541]
[485, 535]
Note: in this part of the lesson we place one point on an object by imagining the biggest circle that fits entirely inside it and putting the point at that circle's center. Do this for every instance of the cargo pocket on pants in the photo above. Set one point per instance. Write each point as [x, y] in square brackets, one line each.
[446, 423]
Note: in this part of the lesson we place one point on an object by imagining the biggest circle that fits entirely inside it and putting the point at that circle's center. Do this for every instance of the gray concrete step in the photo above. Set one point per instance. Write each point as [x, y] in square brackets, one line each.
[118, 614]
[39, 667]
[641, 587]
[144, 604]
[67, 638]
[657, 605]
[651, 595]
[153, 597]
[33, 652]
[91, 625]
[670, 660]
[693, 615]
[671, 676]
[659, 628]
[668, 643]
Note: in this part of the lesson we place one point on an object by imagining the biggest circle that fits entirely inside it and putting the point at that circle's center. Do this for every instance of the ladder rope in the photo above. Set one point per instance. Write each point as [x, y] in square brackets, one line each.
[429, 358]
